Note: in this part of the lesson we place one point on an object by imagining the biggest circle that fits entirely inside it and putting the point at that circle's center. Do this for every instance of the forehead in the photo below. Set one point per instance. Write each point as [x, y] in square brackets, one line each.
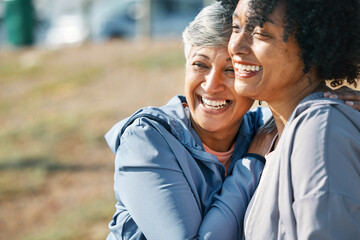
[208, 51]
[242, 7]
[244, 12]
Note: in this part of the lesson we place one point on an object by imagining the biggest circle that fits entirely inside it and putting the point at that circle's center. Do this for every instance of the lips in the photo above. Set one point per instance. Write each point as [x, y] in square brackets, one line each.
[214, 104]
[246, 70]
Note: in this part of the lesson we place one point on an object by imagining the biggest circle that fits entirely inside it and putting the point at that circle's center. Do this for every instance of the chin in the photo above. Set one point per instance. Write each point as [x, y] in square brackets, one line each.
[247, 90]
[210, 126]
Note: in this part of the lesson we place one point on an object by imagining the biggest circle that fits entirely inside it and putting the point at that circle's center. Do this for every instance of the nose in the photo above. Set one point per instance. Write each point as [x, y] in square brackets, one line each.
[239, 43]
[214, 82]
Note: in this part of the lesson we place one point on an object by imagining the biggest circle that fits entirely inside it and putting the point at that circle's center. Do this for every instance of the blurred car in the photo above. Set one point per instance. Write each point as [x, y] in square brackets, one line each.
[118, 19]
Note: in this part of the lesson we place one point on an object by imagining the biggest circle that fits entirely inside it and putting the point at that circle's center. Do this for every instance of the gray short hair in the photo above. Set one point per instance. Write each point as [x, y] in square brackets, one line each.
[211, 27]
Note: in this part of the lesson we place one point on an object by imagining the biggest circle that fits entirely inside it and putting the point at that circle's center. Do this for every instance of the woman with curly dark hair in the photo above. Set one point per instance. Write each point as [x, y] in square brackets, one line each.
[283, 53]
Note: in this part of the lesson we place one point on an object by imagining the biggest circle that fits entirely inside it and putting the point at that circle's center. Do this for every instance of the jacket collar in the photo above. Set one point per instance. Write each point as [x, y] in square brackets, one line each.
[174, 118]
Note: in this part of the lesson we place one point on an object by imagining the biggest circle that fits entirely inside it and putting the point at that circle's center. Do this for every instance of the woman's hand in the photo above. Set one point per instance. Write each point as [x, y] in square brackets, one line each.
[261, 143]
[350, 96]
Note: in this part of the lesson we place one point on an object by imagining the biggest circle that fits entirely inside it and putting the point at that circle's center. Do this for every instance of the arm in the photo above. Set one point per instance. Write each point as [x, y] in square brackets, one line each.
[230, 206]
[158, 199]
[263, 139]
[325, 175]
[152, 187]
[181, 202]
[239, 187]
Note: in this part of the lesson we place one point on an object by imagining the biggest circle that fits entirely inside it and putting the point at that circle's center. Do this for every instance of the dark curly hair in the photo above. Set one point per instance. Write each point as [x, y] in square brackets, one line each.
[327, 31]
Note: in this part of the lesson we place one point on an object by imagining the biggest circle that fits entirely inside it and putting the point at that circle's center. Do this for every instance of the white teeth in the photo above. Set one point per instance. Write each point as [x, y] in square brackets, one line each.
[248, 68]
[214, 104]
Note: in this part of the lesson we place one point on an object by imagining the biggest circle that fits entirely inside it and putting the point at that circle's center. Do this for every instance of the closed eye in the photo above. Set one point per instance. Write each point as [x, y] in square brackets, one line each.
[235, 28]
[200, 65]
[260, 34]
[230, 72]
[230, 69]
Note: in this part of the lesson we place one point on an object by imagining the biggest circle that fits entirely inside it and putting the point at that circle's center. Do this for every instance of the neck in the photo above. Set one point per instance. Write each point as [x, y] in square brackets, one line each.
[283, 106]
[220, 141]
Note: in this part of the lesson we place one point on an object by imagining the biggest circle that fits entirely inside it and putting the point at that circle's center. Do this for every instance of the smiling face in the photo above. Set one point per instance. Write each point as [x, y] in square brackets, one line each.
[209, 88]
[266, 67]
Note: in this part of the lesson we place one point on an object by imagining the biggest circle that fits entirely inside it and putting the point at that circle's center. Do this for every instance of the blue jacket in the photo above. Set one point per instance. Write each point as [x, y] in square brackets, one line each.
[165, 182]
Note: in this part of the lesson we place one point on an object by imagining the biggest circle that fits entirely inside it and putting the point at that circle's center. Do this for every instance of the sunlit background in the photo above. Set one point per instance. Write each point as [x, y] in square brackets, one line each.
[69, 70]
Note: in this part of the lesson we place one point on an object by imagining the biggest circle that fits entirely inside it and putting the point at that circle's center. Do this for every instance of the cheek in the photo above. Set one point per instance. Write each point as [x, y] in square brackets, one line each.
[292, 55]
[284, 61]
[191, 84]
[244, 104]
[293, 63]
[190, 81]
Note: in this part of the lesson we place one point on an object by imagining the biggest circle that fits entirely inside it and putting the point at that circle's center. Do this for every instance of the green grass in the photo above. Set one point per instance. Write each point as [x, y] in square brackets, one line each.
[76, 223]
[37, 136]
[17, 181]
[174, 59]
[11, 69]
[43, 135]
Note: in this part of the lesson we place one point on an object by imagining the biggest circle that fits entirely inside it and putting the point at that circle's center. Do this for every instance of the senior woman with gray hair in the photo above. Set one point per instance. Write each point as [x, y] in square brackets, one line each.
[171, 161]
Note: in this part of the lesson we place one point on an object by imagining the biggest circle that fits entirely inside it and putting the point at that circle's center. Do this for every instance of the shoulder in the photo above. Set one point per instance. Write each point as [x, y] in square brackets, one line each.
[144, 143]
[167, 116]
[146, 130]
[322, 142]
[318, 118]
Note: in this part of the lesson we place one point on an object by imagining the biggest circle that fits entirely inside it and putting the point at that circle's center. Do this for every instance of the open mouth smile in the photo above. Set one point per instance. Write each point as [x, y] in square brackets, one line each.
[242, 70]
[214, 105]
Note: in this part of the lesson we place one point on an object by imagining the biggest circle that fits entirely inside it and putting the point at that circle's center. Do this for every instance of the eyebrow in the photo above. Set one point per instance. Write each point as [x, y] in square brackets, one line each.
[205, 56]
[268, 20]
[200, 55]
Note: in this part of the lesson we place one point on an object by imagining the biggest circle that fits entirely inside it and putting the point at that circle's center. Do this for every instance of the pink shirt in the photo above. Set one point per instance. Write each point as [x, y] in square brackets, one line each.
[223, 157]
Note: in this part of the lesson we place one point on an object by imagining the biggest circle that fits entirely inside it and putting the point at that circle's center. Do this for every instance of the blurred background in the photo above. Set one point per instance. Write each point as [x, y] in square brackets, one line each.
[54, 23]
[69, 70]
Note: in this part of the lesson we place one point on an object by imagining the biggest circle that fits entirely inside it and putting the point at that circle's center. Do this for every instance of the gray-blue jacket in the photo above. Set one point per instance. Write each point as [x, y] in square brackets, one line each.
[310, 186]
[168, 187]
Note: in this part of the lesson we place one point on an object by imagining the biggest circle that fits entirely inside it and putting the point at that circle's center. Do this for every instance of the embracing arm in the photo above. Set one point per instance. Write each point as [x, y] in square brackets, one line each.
[152, 187]
[230, 206]
[158, 199]
[238, 188]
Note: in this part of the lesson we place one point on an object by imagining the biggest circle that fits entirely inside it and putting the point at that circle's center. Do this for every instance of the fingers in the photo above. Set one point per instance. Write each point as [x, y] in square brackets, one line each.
[344, 93]
[350, 96]
[354, 104]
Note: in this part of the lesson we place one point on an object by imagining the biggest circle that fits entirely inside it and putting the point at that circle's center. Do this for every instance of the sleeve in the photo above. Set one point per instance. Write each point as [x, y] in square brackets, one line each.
[151, 185]
[326, 176]
[260, 115]
[230, 206]
[158, 198]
